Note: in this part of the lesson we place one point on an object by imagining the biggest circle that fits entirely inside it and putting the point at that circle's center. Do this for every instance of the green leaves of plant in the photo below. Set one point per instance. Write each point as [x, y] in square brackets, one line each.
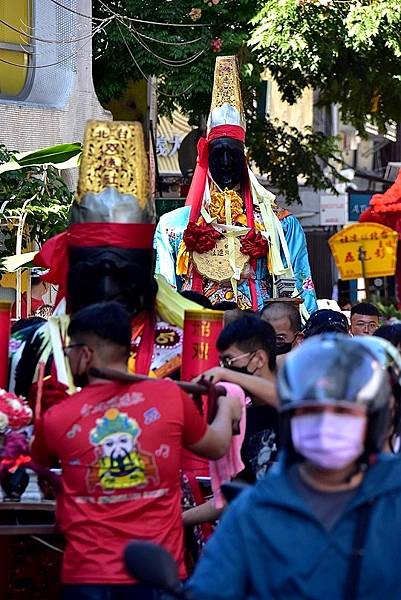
[51, 155]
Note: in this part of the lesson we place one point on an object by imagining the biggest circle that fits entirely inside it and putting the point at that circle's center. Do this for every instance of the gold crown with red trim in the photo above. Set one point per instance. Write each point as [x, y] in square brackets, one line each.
[226, 107]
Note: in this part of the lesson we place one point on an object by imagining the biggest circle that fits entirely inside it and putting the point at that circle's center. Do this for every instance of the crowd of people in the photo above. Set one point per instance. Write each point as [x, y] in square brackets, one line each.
[319, 449]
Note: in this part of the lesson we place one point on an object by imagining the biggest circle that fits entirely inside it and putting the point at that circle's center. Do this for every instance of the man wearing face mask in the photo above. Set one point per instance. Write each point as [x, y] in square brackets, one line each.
[285, 319]
[321, 522]
[247, 350]
[120, 447]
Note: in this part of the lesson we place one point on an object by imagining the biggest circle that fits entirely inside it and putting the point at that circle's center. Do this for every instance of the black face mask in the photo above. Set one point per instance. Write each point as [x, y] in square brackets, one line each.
[243, 369]
[283, 348]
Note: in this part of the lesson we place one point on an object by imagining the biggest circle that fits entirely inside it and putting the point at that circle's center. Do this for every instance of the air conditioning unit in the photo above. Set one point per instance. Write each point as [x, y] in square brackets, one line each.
[333, 209]
[321, 209]
[392, 170]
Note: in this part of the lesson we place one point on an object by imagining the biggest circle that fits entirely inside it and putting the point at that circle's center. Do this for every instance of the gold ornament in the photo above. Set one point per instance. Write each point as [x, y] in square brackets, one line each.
[226, 107]
[215, 264]
[114, 155]
[217, 208]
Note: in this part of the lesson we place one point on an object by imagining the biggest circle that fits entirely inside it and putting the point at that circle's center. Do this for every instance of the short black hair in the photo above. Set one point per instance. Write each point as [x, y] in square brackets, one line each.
[196, 297]
[250, 333]
[325, 320]
[365, 308]
[107, 320]
[284, 310]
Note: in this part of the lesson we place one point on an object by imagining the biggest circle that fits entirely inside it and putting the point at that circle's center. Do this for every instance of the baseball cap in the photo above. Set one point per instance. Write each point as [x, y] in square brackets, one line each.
[325, 320]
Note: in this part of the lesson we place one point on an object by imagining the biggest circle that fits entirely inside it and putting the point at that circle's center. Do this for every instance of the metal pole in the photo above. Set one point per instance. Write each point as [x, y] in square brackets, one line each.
[362, 258]
[157, 172]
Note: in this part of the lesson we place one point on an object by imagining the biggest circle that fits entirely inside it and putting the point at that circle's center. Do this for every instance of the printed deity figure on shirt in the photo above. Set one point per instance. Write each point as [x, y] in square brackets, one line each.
[121, 463]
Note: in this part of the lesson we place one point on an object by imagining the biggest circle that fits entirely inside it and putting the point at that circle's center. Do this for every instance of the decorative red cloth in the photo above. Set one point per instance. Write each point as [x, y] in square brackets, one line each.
[54, 253]
[53, 392]
[385, 209]
[200, 238]
[5, 328]
[144, 354]
[254, 244]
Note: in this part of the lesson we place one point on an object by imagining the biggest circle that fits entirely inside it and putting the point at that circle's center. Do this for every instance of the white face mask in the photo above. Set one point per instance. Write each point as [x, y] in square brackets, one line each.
[329, 440]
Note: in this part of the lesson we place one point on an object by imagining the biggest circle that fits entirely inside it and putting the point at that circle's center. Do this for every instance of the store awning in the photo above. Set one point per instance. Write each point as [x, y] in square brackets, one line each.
[169, 136]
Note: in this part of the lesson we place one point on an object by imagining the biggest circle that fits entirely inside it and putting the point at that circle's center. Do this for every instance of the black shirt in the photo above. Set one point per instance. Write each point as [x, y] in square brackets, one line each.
[260, 446]
[327, 507]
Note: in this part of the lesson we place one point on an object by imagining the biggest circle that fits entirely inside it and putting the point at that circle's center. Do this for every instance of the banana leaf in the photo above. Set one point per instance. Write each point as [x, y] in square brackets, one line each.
[62, 156]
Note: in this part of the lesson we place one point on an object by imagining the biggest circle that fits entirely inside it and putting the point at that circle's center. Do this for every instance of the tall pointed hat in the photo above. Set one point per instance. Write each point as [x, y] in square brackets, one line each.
[112, 207]
[226, 119]
[114, 176]
[226, 107]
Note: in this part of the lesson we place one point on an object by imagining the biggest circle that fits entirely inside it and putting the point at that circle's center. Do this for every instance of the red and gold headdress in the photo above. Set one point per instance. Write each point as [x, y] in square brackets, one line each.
[226, 119]
[112, 206]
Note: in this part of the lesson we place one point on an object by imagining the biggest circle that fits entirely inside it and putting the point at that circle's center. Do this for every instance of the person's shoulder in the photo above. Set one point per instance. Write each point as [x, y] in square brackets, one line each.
[62, 408]
[65, 408]
[161, 389]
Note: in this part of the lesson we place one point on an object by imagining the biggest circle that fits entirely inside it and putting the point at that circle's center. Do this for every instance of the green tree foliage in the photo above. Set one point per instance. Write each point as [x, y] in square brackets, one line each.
[349, 50]
[39, 192]
[128, 50]
[285, 153]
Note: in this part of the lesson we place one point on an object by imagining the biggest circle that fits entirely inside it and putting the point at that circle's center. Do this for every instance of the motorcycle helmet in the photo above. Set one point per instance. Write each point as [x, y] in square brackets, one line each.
[390, 359]
[336, 369]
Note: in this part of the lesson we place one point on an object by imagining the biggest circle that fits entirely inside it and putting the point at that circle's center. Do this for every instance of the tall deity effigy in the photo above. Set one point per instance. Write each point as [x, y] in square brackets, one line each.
[231, 241]
[105, 254]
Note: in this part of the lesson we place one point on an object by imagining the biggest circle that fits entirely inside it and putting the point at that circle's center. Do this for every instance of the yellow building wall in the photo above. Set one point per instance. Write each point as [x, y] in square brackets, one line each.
[297, 115]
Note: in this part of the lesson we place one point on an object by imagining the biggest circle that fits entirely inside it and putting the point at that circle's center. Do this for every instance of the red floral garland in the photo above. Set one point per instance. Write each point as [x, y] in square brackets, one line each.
[254, 244]
[200, 238]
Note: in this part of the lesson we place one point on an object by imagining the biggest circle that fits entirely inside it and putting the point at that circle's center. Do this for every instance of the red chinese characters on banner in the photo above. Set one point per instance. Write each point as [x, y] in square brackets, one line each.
[364, 250]
[201, 330]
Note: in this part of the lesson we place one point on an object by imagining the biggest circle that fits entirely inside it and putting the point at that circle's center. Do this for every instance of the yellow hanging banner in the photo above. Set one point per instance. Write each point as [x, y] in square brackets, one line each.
[365, 250]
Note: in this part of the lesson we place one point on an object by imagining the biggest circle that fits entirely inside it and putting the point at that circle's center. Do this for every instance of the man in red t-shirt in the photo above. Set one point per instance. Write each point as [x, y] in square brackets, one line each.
[120, 446]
